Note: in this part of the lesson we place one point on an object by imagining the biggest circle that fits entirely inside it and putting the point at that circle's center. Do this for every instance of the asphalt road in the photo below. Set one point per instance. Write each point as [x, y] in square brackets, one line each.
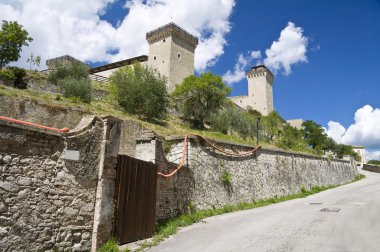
[350, 221]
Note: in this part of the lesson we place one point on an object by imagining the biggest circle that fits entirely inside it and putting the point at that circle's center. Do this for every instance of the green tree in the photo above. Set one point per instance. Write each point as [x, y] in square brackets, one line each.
[315, 136]
[291, 138]
[12, 38]
[199, 97]
[346, 150]
[272, 125]
[140, 90]
[33, 61]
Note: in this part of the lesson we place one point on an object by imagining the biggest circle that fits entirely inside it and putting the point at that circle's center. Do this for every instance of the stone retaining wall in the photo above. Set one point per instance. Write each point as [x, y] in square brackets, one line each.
[269, 173]
[371, 168]
[49, 200]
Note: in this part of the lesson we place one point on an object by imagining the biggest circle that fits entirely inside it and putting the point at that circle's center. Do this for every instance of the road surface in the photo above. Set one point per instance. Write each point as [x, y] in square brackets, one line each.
[346, 218]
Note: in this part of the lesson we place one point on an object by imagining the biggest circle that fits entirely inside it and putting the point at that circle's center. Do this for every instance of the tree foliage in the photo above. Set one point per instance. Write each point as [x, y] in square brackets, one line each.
[315, 135]
[33, 60]
[234, 121]
[12, 37]
[272, 125]
[75, 70]
[199, 97]
[76, 88]
[73, 80]
[291, 139]
[140, 90]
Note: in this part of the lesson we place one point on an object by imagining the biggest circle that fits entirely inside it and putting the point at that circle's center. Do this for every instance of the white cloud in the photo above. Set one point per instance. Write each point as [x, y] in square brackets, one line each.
[289, 49]
[372, 155]
[74, 27]
[365, 130]
[239, 70]
[335, 130]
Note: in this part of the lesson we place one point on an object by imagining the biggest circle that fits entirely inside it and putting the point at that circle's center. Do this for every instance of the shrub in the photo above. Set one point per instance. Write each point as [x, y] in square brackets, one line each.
[19, 80]
[7, 75]
[141, 91]
[36, 77]
[75, 69]
[77, 88]
[233, 120]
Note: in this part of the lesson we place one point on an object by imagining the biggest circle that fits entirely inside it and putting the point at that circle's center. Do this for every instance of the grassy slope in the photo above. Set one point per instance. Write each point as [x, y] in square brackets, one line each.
[171, 127]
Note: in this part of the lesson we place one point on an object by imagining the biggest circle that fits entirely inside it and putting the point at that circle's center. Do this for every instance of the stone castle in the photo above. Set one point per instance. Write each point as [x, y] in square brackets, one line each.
[171, 52]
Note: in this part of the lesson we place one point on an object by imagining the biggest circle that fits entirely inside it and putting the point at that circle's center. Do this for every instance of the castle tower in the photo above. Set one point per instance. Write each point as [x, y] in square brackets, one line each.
[260, 91]
[171, 52]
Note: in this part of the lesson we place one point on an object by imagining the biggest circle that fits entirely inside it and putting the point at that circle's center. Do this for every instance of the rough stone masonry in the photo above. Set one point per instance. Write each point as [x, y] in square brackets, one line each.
[47, 201]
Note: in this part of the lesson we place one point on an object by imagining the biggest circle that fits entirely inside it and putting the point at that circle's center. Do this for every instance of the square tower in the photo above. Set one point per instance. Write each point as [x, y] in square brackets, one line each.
[260, 89]
[171, 52]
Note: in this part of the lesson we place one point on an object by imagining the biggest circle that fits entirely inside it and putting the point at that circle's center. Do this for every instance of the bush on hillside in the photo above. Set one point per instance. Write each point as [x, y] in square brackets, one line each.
[232, 120]
[141, 91]
[19, 80]
[79, 88]
[7, 75]
[75, 69]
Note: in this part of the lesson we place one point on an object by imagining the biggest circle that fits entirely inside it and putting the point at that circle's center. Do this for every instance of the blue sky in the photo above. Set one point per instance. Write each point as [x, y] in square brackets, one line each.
[338, 86]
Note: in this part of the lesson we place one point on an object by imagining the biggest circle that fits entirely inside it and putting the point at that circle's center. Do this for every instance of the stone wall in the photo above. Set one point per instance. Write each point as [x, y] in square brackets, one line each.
[371, 168]
[46, 200]
[270, 173]
[36, 112]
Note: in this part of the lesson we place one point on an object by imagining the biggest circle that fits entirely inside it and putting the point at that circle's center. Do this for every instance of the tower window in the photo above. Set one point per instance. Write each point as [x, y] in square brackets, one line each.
[163, 40]
[154, 58]
[178, 55]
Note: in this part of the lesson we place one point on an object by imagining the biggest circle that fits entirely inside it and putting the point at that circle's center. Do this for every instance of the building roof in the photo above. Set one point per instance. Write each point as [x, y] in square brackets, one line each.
[170, 30]
[117, 64]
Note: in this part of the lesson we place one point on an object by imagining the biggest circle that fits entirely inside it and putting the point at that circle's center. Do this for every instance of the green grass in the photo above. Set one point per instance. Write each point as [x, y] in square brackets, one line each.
[111, 246]
[172, 126]
[171, 226]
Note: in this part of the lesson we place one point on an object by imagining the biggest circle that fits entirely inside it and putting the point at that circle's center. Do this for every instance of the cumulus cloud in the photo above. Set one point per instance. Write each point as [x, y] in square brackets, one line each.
[75, 27]
[243, 61]
[289, 49]
[365, 130]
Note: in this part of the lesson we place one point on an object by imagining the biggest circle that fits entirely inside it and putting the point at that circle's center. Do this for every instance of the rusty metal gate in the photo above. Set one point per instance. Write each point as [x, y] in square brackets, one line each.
[135, 195]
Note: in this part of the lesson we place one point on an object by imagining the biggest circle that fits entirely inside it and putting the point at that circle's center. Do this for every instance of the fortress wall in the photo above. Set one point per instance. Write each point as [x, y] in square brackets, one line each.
[269, 173]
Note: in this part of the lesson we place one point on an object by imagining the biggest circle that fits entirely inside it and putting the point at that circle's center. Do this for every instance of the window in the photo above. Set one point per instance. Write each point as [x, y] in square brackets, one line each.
[163, 40]
[178, 55]
[154, 58]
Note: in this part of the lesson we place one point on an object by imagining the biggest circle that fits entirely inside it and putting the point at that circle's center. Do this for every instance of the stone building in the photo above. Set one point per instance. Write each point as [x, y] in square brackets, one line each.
[361, 151]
